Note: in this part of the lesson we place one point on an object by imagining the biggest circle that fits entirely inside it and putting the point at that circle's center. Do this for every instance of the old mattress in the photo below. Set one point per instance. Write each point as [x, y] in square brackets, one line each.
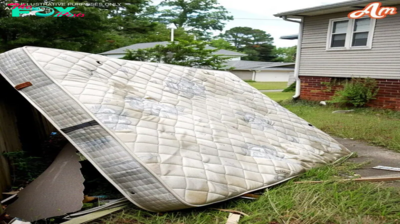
[167, 137]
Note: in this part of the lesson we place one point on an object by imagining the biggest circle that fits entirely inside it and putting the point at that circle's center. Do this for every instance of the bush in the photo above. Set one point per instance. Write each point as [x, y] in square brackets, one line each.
[25, 167]
[357, 92]
[291, 88]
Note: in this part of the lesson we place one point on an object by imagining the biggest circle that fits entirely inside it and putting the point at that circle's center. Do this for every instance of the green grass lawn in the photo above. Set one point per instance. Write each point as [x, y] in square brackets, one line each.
[268, 85]
[279, 96]
[377, 127]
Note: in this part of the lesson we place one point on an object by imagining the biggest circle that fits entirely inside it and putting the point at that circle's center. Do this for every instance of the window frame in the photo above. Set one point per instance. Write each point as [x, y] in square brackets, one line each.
[350, 35]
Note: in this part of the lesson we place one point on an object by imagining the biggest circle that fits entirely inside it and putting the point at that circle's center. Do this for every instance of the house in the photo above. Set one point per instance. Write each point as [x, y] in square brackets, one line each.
[333, 47]
[263, 71]
[120, 52]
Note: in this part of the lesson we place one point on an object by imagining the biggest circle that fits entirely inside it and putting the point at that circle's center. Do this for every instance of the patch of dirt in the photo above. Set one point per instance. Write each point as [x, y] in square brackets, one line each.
[376, 156]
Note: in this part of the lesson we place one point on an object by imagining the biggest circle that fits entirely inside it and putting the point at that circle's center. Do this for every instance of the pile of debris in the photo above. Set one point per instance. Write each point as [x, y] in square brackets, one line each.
[60, 192]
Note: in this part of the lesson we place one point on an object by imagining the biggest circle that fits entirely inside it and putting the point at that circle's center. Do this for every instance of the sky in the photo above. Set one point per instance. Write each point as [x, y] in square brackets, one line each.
[259, 14]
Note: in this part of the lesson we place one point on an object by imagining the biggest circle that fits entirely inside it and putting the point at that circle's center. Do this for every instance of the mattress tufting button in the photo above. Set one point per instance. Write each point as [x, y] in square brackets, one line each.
[206, 159]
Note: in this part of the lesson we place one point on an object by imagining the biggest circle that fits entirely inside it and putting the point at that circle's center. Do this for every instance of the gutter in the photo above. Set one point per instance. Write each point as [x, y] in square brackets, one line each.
[298, 55]
[324, 7]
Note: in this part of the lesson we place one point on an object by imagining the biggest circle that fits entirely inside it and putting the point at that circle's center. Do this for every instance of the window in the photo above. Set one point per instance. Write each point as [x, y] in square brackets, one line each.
[339, 33]
[350, 34]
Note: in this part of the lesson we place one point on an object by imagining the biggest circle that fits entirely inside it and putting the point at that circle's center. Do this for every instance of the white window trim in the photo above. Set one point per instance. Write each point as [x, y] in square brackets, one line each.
[349, 35]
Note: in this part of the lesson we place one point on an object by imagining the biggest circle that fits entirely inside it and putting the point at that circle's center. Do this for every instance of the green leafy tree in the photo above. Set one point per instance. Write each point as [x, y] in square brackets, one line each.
[128, 17]
[102, 28]
[222, 44]
[259, 52]
[245, 36]
[285, 54]
[132, 19]
[129, 20]
[257, 44]
[201, 16]
[185, 53]
[83, 33]
[162, 33]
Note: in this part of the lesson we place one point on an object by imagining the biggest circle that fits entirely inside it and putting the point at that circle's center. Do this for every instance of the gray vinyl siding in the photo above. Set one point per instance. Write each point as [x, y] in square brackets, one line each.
[382, 61]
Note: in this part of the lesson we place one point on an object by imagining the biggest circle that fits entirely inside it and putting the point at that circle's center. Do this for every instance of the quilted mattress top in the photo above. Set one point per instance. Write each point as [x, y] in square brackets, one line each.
[168, 137]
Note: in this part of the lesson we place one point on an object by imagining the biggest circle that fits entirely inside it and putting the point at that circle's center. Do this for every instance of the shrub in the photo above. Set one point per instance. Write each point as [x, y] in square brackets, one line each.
[357, 92]
[25, 167]
[291, 88]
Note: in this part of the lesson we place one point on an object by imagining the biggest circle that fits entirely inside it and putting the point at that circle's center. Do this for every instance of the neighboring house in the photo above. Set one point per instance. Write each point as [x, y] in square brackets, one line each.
[120, 52]
[263, 71]
[333, 48]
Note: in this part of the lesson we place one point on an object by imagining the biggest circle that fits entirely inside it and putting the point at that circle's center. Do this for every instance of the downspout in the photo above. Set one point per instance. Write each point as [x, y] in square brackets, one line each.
[298, 55]
[253, 78]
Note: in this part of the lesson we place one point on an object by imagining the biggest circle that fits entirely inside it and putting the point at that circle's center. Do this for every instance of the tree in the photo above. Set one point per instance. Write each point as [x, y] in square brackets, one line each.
[245, 36]
[162, 33]
[257, 44]
[285, 54]
[200, 15]
[185, 53]
[222, 44]
[82, 33]
[129, 21]
[102, 28]
[259, 52]
[132, 19]
[128, 17]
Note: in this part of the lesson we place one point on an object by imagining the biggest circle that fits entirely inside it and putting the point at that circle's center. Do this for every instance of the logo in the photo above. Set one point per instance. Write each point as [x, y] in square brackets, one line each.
[373, 10]
[23, 10]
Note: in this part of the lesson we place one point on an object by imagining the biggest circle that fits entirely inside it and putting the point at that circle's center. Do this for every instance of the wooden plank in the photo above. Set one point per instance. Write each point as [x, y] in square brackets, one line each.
[255, 196]
[233, 219]
[375, 179]
[9, 135]
[388, 168]
[10, 193]
[93, 216]
[17, 120]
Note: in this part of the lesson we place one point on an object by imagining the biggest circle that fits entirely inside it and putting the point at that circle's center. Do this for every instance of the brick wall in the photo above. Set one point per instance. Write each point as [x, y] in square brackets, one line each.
[313, 88]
